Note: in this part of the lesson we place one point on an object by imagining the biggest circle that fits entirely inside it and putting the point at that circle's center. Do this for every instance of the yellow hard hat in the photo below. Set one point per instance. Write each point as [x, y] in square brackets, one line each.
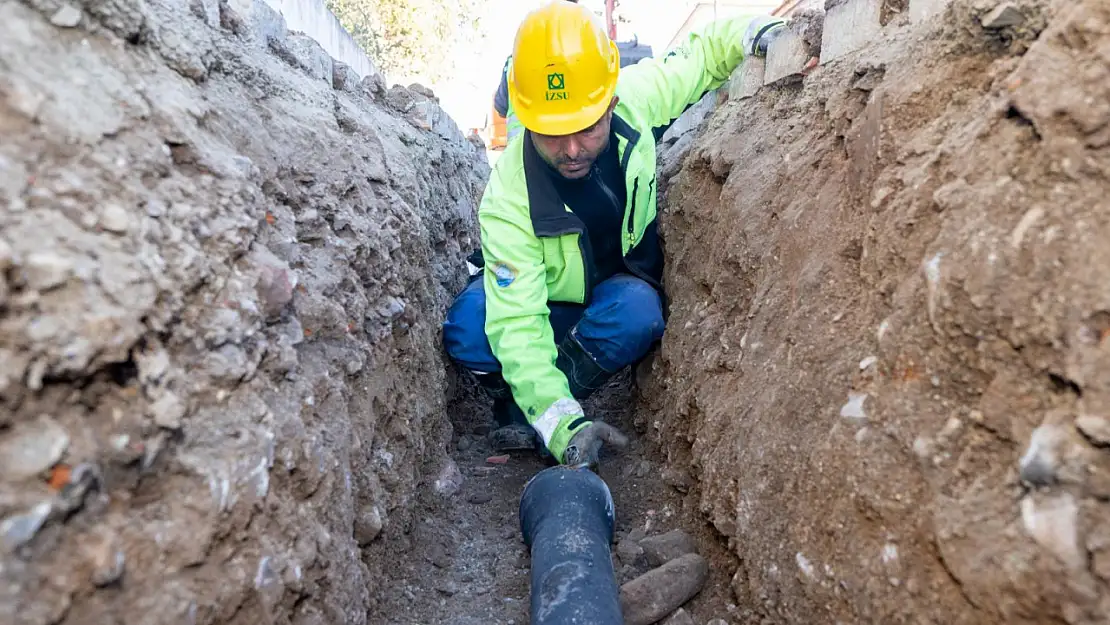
[564, 70]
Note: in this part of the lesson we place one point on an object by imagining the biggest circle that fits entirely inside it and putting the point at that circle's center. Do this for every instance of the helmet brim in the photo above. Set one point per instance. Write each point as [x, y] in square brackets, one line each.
[557, 124]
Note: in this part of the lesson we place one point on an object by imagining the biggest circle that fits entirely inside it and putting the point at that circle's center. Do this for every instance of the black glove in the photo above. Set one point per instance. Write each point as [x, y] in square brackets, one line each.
[760, 33]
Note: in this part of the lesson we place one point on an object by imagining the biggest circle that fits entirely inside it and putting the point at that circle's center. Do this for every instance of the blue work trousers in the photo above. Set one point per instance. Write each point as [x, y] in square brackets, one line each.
[624, 318]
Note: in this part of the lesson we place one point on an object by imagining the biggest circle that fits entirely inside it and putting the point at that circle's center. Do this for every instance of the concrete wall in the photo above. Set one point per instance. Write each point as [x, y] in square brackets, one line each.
[314, 19]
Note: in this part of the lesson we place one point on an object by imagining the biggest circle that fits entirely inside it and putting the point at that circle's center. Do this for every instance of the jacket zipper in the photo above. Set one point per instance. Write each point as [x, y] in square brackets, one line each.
[632, 214]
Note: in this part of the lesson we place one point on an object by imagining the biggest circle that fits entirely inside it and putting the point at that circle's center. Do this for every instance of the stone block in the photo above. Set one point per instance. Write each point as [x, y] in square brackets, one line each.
[747, 79]
[849, 25]
[786, 58]
[921, 10]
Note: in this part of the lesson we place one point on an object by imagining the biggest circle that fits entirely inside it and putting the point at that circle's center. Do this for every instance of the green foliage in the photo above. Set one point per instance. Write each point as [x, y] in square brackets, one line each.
[410, 37]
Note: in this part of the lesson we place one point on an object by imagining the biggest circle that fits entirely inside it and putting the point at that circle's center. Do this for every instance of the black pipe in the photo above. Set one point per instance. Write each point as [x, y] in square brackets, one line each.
[566, 516]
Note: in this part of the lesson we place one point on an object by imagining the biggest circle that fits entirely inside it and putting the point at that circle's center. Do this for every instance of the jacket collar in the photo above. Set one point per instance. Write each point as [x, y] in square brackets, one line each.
[549, 216]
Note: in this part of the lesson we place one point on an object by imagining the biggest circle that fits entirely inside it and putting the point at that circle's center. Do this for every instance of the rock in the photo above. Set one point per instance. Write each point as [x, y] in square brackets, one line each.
[437, 555]
[167, 411]
[629, 551]
[108, 563]
[680, 617]
[450, 479]
[1041, 461]
[114, 218]
[1003, 15]
[661, 591]
[637, 534]
[67, 16]
[1097, 429]
[18, 530]
[311, 57]
[31, 448]
[666, 547]
[46, 270]
[643, 469]
[1052, 521]
[373, 85]
[480, 498]
[368, 525]
[343, 78]
[464, 443]
[677, 479]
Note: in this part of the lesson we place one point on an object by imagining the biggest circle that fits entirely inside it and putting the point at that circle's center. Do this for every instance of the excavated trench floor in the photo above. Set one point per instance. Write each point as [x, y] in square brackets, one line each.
[464, 563]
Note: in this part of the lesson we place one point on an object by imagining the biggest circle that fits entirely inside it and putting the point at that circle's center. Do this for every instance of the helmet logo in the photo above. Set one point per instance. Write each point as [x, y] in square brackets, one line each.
[556, 87]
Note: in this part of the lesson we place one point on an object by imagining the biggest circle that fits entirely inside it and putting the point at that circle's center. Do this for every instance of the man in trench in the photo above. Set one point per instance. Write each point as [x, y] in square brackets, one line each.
[570, 289]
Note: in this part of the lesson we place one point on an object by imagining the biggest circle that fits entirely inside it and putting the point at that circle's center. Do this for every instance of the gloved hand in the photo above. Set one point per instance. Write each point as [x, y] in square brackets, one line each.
[565, 416]
[586, 444]
[760, 33]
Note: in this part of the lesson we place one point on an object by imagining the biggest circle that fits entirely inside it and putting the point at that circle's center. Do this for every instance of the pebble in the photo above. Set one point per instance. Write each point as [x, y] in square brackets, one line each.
[108, 564]
[67, 16]
[666, 547]
[464, 443]
[46, 270]
[18, 530]
[368, 525]
[680, 617]
[168, 411]
[659, 592]
[480, 498]
[31, 448]
[637, 534]
[114, 218]
[644, 469]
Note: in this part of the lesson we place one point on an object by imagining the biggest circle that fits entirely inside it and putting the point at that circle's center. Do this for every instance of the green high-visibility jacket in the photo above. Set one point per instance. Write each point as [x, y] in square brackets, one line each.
[535, 249]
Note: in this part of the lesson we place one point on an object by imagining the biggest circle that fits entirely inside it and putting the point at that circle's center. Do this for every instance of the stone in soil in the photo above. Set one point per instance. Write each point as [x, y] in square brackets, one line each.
[680, 617]
[666, 547]
[660, 591]
[31, 448]
[629, 551]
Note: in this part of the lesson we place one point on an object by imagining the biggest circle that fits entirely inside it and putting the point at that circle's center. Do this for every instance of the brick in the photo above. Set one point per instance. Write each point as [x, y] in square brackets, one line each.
[747, 79]
[921, 10]
[849, 25]
[786, 57]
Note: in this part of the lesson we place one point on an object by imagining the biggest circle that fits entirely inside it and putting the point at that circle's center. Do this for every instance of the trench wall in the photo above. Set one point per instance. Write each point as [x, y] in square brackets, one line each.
[224, 261]
[887, 362]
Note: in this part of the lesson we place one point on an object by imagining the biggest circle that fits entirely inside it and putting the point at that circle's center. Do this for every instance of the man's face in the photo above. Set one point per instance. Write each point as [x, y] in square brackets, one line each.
[573, 155]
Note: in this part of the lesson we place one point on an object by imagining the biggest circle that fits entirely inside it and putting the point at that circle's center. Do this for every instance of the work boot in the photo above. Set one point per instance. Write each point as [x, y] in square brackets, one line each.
[584, 374]
[512, 431]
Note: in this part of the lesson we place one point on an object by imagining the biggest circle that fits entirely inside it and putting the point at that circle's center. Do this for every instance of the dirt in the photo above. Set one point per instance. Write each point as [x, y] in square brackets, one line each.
[464, 562]
[886, 356]
[223, 264]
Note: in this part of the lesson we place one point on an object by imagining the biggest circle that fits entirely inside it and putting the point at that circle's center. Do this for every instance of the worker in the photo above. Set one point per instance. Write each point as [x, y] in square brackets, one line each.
[569, 291]
[501, 102]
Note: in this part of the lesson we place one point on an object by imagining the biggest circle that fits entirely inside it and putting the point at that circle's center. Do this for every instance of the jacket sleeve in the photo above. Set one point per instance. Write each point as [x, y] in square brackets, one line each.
[667, 86]
[517, 322]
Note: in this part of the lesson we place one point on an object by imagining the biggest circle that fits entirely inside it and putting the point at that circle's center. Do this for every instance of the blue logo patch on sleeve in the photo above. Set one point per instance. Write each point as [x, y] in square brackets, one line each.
[504, 273]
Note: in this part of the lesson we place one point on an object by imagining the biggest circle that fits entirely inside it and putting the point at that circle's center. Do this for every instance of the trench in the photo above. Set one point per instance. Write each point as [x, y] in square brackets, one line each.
[225, 256]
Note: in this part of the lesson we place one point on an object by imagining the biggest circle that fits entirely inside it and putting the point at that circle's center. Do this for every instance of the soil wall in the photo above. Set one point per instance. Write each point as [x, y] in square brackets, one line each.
[887, 362]
[224, 261]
